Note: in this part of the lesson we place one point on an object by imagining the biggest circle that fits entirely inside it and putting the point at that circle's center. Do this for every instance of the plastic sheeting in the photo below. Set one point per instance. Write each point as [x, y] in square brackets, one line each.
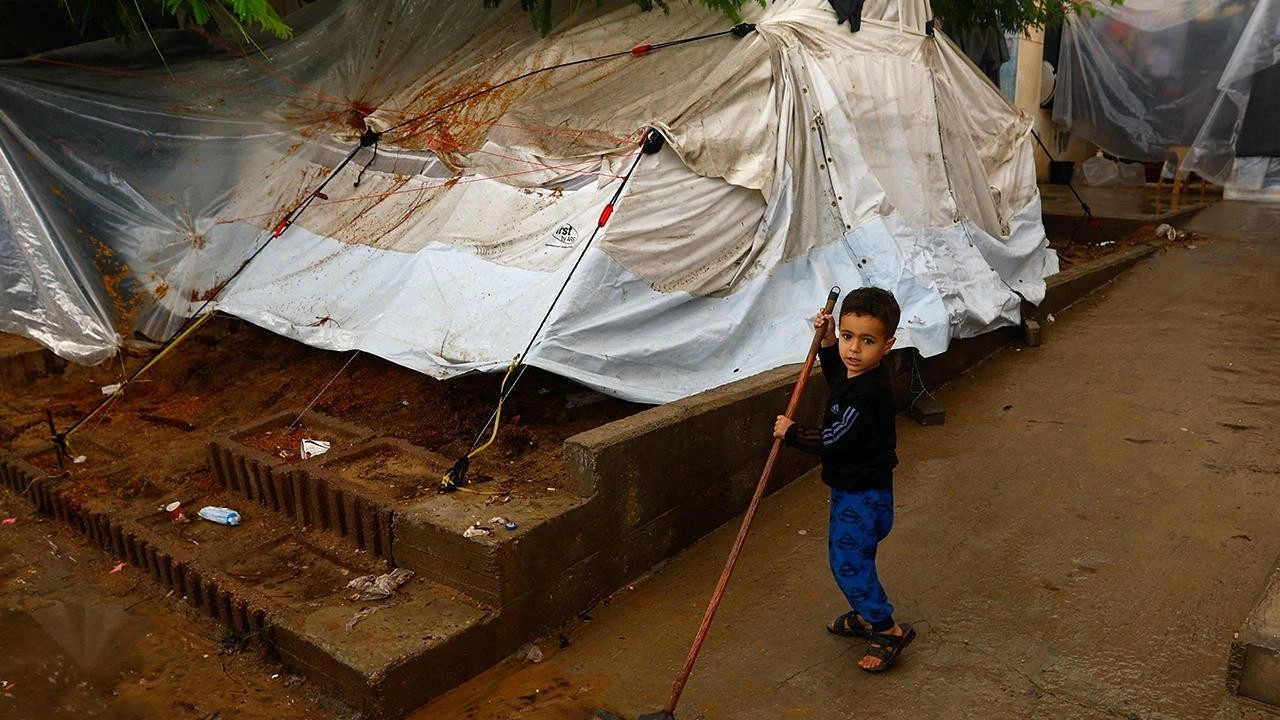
[799, 157]
[1256, 56]
[1150, 75]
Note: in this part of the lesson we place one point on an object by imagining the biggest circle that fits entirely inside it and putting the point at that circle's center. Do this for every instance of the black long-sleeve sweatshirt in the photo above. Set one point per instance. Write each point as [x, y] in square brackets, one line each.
[858, 436]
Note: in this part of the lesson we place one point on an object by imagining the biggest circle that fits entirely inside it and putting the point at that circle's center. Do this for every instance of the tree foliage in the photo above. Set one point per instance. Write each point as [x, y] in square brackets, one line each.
[540, 11]
[124, 18]
[254, 12]
[1010, 15]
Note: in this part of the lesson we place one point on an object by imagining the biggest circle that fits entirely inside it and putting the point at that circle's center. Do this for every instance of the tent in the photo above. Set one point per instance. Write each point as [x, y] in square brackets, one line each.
[1202, 76]
[473, 214]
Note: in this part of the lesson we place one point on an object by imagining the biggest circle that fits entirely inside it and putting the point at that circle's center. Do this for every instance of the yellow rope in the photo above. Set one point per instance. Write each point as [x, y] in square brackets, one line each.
[154, 359]
[446, 482]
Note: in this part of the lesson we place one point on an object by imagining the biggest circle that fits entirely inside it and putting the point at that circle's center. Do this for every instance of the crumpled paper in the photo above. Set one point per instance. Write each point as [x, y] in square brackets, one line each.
[379, 587]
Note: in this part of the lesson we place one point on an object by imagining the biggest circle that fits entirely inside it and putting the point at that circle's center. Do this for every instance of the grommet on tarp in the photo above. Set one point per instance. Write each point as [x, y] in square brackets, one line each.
[743, 29]
[653, 141]
[369, 138]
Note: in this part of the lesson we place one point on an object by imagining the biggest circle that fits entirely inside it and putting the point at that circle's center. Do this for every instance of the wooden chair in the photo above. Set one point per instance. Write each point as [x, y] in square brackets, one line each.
[1178, 154]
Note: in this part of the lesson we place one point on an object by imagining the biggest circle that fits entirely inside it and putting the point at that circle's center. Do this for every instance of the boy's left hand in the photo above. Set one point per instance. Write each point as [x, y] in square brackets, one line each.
[780, 426]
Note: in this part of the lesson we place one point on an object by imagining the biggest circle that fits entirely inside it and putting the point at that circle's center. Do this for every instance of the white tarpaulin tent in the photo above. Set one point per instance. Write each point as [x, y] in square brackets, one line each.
[798, 157]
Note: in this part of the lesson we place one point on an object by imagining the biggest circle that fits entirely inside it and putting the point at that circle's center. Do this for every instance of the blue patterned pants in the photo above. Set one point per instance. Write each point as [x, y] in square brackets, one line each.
[859, 521]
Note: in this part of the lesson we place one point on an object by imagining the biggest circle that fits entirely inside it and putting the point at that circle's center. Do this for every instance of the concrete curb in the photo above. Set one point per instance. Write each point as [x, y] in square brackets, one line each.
[1253, 667]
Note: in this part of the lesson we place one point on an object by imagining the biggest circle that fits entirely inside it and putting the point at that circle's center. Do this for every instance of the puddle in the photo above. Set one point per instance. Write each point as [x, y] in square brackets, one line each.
[66, 661]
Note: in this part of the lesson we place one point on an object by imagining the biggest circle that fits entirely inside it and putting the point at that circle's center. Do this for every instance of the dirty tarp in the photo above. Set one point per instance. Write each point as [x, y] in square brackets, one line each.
[799, 157]
[1150, 75]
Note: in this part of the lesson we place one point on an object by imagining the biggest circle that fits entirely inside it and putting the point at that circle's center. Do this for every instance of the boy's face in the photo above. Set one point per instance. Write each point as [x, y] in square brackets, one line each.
[862, 343]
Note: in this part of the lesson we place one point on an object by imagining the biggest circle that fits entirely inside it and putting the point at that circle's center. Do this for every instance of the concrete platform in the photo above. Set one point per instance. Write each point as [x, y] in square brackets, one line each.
[1118, 211]
[278, 580]
[1253, 669]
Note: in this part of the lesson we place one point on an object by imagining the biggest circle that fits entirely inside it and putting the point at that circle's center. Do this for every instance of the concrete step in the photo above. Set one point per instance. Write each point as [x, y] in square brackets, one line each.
[500, 565]
[309, 525]
[23, 362]
[312, 524]
[272, 583]
[381, 495]
[1253, 668]
[263, 462]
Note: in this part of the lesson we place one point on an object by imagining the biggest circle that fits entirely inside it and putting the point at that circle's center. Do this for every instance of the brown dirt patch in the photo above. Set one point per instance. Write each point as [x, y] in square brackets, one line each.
[231, 374]
[1072, 253]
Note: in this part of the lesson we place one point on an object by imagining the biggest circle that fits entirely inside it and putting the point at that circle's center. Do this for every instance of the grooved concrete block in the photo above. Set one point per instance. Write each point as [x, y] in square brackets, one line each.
[30, 481]
[21, 367]
[1253, 668]
[283, 482]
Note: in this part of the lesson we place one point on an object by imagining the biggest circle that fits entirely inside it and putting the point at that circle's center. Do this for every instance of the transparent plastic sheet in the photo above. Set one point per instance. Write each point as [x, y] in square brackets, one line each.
[153, 187]
[121, 169]
[1213, 155]
[39, 283]
[1141, 77]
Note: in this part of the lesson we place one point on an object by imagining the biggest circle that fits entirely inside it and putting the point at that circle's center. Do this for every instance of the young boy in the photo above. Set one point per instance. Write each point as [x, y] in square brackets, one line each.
[857, 443]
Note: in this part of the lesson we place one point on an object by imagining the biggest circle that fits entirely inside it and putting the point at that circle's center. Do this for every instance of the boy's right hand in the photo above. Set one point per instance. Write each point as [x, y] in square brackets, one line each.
[825, 322]
[780, 426]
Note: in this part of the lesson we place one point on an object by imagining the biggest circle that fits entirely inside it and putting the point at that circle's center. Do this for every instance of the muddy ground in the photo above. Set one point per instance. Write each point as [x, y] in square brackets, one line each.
[86, 639]
[82, 638]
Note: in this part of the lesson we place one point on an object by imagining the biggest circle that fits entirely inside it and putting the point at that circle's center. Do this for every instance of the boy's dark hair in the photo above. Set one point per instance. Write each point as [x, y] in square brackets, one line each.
[879, 304]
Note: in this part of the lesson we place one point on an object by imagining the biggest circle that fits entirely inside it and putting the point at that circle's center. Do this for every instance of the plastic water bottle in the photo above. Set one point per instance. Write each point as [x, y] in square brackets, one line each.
[220, 515]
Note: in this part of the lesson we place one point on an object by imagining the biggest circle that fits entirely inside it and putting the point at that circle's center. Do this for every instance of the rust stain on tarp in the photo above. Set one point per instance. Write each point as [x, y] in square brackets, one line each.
[115, 278]
[456, 119]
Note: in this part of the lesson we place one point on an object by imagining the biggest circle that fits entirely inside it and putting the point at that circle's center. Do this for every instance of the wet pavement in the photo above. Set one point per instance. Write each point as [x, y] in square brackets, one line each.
[1249, 221]
[1079, 540]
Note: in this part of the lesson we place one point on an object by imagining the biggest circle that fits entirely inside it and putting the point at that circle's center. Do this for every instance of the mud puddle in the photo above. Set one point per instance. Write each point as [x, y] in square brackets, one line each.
[67, 660]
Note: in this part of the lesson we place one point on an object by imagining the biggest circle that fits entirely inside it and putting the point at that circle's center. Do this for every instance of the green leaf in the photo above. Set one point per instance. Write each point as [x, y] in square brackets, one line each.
[540, 11]
[261, 13]
[1010, 15]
